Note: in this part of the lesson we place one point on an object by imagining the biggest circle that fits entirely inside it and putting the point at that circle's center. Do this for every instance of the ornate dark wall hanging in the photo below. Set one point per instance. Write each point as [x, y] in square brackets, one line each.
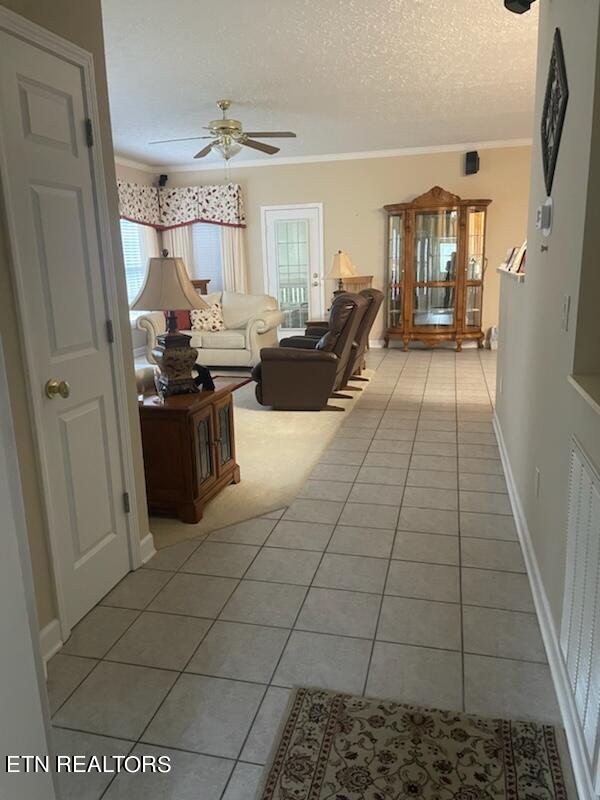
[555, 107]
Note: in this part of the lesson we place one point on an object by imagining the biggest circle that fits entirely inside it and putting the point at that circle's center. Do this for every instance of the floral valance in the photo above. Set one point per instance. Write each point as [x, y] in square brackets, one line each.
[164, 208]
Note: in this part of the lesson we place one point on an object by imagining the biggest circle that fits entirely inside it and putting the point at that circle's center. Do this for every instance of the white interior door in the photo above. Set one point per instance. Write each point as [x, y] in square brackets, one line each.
[52, 210]
[293, 250]
[23, 705]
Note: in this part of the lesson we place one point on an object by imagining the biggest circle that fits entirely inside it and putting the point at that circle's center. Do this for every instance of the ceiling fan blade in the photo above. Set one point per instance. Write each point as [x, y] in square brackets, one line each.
[187, 139]
[272, 134]
[205, 151]
[265, 148]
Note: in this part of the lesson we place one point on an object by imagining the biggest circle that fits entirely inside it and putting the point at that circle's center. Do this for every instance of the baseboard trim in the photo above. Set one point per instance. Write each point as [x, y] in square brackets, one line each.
[376, 343]
[575, 740]
[50, 641]
[147, 549]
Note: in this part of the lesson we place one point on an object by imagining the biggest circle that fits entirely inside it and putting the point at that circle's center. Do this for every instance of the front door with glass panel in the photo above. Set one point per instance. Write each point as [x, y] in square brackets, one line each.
[294, 263]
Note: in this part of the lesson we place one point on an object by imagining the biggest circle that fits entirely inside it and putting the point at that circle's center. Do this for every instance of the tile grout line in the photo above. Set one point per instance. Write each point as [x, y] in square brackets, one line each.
[179, 673]
[460, 567]
[383, 594]
[189, 660]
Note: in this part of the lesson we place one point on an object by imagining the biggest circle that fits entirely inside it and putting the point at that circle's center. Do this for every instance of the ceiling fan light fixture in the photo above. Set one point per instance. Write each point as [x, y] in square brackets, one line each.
[228, 149]
[228, 136]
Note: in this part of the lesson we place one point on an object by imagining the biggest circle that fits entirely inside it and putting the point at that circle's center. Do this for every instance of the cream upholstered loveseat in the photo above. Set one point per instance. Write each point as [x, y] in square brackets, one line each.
[251, 322]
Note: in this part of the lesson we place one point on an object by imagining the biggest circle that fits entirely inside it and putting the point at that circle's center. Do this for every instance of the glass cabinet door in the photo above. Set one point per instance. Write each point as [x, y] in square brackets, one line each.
[224, 438]
[435, 249]
[475, 267]
[204, 449]
[395, 271]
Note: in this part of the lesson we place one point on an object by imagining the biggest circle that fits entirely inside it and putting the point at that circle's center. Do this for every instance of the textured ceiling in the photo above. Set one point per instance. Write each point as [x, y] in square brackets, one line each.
[347, 76]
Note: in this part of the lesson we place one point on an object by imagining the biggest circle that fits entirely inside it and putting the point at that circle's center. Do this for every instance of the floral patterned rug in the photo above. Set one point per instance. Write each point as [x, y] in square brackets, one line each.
[337, 747]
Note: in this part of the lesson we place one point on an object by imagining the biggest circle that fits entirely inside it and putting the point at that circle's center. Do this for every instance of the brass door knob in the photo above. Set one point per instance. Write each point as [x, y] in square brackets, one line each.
[55, 386]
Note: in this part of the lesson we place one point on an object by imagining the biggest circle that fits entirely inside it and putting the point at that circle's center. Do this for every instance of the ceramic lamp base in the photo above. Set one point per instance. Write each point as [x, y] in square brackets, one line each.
[175, 358]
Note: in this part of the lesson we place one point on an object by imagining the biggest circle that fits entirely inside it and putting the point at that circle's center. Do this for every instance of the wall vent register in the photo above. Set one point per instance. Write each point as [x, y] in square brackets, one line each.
[580, 628]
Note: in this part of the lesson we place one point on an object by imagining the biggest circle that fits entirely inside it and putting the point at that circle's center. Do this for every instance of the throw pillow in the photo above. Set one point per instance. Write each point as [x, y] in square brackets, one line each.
[208, 319]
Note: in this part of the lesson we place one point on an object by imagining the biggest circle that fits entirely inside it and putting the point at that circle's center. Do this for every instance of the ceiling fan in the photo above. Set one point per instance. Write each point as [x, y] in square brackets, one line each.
[228, 137]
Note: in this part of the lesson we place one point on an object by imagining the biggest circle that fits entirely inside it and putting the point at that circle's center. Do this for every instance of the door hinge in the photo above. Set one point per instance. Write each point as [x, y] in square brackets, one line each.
[110, 331]
[126, 503]
[89, 133]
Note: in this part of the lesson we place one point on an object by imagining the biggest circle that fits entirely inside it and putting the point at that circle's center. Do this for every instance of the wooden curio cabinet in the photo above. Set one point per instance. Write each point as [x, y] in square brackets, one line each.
[435, 268]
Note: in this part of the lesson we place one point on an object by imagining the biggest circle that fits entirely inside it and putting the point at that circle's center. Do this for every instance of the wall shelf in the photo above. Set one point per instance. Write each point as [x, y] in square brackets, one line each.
[518, 276]
[588, 386]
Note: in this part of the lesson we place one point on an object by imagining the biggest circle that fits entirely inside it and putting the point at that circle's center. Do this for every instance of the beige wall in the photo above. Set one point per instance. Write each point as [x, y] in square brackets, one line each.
[354, 192]
[80, 22]
[538, 409]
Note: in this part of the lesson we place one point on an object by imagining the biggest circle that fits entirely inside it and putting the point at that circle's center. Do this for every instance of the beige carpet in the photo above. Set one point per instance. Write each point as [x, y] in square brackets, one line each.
[276, 451]
[354, 748]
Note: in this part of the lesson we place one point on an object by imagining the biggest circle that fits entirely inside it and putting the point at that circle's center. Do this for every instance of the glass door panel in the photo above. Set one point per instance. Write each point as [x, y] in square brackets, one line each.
[204, 449]
[436, 236]
[224, 434]
[475, 244]
[434, 306]
[473, 306]
[395, 254]
[395, 271]
[293, 271]
[293, 263]
[395, 307]
[225, 440]
[436, 244]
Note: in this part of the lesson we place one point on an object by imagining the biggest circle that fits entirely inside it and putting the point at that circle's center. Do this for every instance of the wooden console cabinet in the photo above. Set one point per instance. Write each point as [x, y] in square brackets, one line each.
[189, 449]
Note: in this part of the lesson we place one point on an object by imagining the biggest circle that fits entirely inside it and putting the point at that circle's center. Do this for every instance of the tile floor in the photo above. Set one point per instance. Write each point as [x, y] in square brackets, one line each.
[395, 573]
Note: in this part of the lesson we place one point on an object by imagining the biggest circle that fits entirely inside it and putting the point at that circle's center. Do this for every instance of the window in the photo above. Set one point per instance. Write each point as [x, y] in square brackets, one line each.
[206, 246]
[134, 256]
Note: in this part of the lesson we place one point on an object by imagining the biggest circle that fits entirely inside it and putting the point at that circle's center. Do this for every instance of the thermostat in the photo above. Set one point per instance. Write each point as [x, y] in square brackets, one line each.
[543, 220]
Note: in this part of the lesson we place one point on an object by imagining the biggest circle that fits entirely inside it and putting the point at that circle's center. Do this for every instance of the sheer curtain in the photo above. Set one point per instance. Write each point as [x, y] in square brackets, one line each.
[233, 259]
[178, 241]
[151, 243]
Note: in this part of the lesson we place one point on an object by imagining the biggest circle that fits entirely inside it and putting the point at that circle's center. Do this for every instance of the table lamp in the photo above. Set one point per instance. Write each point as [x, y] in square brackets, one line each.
[341, 268]
[167, 287]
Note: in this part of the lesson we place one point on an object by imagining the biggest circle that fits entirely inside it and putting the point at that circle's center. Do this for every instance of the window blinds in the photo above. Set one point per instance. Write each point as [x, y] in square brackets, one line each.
[134, 256]
[206, 244]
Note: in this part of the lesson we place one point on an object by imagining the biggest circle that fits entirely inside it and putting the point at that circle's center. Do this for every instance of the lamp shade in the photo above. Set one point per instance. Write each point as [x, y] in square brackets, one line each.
[167, 287]
[341, 267]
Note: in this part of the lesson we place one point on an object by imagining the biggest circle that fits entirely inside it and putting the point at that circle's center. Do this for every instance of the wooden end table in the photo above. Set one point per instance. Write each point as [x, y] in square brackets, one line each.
[189, 449]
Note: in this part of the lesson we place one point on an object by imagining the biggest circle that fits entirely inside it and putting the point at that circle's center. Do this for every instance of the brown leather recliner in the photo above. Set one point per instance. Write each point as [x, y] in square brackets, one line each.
[302, 379]
[314, 332]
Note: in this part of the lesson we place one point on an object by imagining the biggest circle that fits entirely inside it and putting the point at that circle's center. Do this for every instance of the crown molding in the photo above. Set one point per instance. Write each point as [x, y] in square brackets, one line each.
[357, 156]
[129, 162]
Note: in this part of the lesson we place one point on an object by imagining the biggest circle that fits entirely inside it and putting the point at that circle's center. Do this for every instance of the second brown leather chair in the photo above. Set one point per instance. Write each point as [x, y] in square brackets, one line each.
[313, 333]
[299, 378]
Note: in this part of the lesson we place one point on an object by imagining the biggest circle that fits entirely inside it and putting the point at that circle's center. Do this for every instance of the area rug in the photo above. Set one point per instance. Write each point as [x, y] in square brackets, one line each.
[338, 747]
[276, 451]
